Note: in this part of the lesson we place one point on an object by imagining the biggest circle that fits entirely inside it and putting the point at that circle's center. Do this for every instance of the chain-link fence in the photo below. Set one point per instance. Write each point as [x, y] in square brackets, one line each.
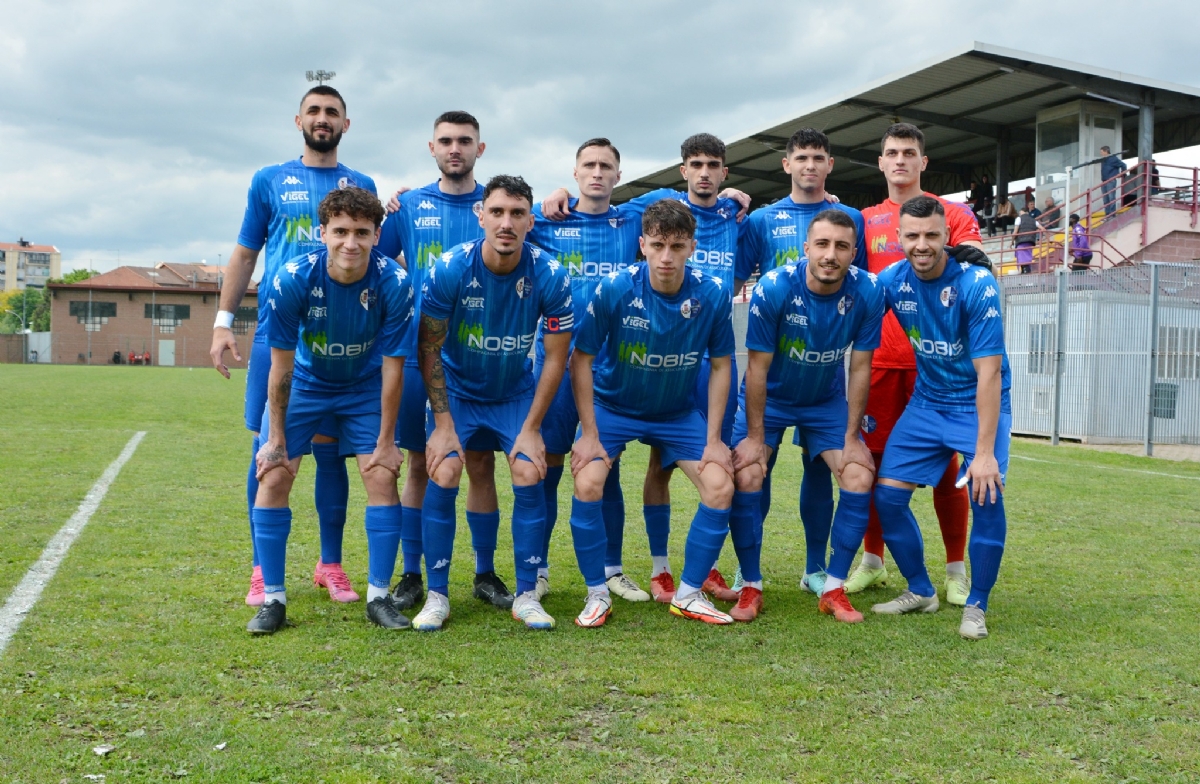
[1106, 356]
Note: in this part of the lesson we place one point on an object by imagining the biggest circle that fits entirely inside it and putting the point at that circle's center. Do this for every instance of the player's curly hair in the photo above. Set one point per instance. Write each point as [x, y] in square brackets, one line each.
[702, 144]
[922, 207]
[668, 218]
[355, 203]
[510, 184]
[835, 218]
[807, 137]
[903, 131]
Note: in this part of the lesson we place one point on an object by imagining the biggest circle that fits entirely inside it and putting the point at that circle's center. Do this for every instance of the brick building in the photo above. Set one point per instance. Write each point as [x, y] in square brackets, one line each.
[166, 310]
[24, 264]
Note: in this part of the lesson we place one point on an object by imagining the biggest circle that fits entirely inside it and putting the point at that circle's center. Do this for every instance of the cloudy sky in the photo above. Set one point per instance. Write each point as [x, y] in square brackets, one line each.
[133, 127]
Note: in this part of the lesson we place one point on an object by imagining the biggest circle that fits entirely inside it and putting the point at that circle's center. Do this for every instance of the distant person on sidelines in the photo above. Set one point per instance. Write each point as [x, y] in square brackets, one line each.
[338, 332]
[1081, 248]
[281, 212]
[1051, 215]
[1024, 237]
[1006, 216]
[1111, 167]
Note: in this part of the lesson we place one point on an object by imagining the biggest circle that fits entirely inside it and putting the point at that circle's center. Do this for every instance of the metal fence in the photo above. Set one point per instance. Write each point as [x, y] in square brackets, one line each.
[1106, 356]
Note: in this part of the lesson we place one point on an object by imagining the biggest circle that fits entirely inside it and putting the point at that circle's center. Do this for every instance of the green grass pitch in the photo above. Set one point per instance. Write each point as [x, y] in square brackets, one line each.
[1092, 672]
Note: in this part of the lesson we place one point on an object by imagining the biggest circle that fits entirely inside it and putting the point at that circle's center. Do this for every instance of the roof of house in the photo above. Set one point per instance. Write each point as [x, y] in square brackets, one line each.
[168, 276]
[29, 247]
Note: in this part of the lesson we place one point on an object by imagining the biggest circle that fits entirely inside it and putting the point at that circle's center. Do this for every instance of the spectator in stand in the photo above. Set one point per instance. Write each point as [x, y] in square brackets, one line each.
[116, 358]
[985, 188]
[1031, 208]
[1051, 215]
[1006, 216]
[1110, 167]
[146, 357]
[1081, 248]
[975, 198]
[1025, 236]
[134, 359]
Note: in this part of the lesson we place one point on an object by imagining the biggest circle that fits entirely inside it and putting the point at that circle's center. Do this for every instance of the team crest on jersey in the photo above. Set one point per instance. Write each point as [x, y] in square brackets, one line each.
[344, 182]
[689, 308]
[724, 213]
[524, 286]
[616, 222]
[844, 304]
[477, 208]
[948, 296]
[868, 423]
[367, 298]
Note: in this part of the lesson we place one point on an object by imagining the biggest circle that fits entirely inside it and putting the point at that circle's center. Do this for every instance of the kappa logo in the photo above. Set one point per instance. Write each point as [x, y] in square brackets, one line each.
[758, 290]
[425, 205]
[798, 301]
[570, 302]
[717, 281]
[772, 275]
[442, 563]
[754, 311]
[474, 284]
[981, 274]
[401, 275]
[991, 313]
[553, 264]
[318, 292]
[989, 292]
[271, 302]
[948, 296]
[381, 262]
[590, 309]
[533, 560]
[290, 180]
[292, 267]
[905, 288]
[275, 284]
[697, 274]
[965, 266]
[466, 248]
[637, 303]
[781, 215]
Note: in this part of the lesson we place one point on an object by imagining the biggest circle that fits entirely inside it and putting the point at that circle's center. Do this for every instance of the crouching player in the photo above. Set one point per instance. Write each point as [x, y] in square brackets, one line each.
[338, 328]
[803, 318]
[636, 360]
[480, 307]
[948, 309]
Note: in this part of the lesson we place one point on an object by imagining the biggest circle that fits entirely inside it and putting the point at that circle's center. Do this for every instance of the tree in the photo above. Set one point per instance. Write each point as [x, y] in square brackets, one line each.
[76, 276]
[25, 304]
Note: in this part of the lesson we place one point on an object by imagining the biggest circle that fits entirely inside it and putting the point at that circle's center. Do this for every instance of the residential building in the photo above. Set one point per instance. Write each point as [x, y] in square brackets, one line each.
[24, 264]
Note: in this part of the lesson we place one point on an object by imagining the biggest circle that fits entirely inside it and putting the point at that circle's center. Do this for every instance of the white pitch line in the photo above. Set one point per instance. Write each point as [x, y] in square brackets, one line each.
[1105, 468]
[29, 590]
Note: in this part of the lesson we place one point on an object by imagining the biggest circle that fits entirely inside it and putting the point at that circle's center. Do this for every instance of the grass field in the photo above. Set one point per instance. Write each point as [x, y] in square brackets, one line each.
[1092, 672]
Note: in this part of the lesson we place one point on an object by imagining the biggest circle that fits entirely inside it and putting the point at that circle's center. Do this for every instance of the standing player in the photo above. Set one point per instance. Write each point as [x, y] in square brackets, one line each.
[647, 329]
[803, 319]
[774, 236]
[430, 221]
[592, 241]
[479, 315]
[281, 212]
[338, 332]
[893, 371]
[948, 311]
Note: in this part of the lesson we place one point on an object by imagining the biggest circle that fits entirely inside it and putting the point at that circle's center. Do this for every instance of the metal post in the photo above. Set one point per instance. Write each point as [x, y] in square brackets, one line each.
[1064, 213]
[1060, 354]
[88, 327]
[1152, 374]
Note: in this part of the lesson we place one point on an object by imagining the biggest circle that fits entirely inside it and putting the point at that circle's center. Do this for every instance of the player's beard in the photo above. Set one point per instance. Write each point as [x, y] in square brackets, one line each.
[319, 145]
[458, 176]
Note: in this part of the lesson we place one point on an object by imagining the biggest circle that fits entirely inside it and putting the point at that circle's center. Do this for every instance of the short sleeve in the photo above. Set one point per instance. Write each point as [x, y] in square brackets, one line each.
[400, 308]
[749, 247]
[593, 331]
[638, 204]
[867, 336]
[860, 242]
[437, 298]
[962, 225]
[288, 307]
[721, 342]
[763, 318]
[389, 235]
[985, 327]
[255, 222]
[558, 312]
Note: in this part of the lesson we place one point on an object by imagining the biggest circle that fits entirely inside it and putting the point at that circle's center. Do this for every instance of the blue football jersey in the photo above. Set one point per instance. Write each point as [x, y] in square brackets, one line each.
[344, 330]
[717, 232]
[774, 235]
[648, 346]
[281, 212]
[492, 318]
[949, 322]
[589, 247]
[811, 333]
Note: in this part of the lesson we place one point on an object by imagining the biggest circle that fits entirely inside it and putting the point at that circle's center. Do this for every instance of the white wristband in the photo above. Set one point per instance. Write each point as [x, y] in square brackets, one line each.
[224, 320]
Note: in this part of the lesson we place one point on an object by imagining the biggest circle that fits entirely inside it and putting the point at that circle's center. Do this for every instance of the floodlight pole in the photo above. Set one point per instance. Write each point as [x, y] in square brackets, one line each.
[1151, 375]
[320, 77]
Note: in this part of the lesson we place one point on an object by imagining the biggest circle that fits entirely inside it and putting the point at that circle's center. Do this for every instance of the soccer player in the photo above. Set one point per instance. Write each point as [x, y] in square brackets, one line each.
[593, 240]
[338, 332]
[893, 371]
[716, 234]
[281, 212]
[479, 315]
[636, 357]
[803, 319]
[430, 221]
[948, 311]
[774, 236]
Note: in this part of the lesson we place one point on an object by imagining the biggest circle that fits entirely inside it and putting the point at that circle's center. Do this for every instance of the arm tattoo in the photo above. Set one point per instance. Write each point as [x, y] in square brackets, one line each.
[431, 336]
[284, 392]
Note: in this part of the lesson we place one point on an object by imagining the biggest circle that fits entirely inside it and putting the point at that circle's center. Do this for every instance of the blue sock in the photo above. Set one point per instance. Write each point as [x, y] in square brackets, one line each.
[484, 528]
[744, 527]
[330, 493]
[550, 492]
[902, 536]
[849, 526]
[271, 529]
[384, 524]
[587, 532]
[410, 538]
[705, 539]
[816, 510]
[613, 505]
[251, 494]
[437, 534]
[658, 527]
[989, 528]
[528, 533]
[766, 486]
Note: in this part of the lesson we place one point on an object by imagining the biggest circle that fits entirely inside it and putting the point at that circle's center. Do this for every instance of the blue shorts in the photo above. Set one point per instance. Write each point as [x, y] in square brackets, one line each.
[819, 428]
[700, 393]
[410, 422]
[562, 418]
[258, 369]
[683, 438]
[924, 440]
[353, 419]
[485, 427]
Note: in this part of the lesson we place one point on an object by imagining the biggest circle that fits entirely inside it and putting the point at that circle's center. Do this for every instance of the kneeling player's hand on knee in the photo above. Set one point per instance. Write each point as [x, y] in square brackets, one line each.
[386, 456]
[749, 452]
[530, 444]
[716, 452]
[986, 481]
[442, 442]
[271, 456]
[855, 451]
[585, 450]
